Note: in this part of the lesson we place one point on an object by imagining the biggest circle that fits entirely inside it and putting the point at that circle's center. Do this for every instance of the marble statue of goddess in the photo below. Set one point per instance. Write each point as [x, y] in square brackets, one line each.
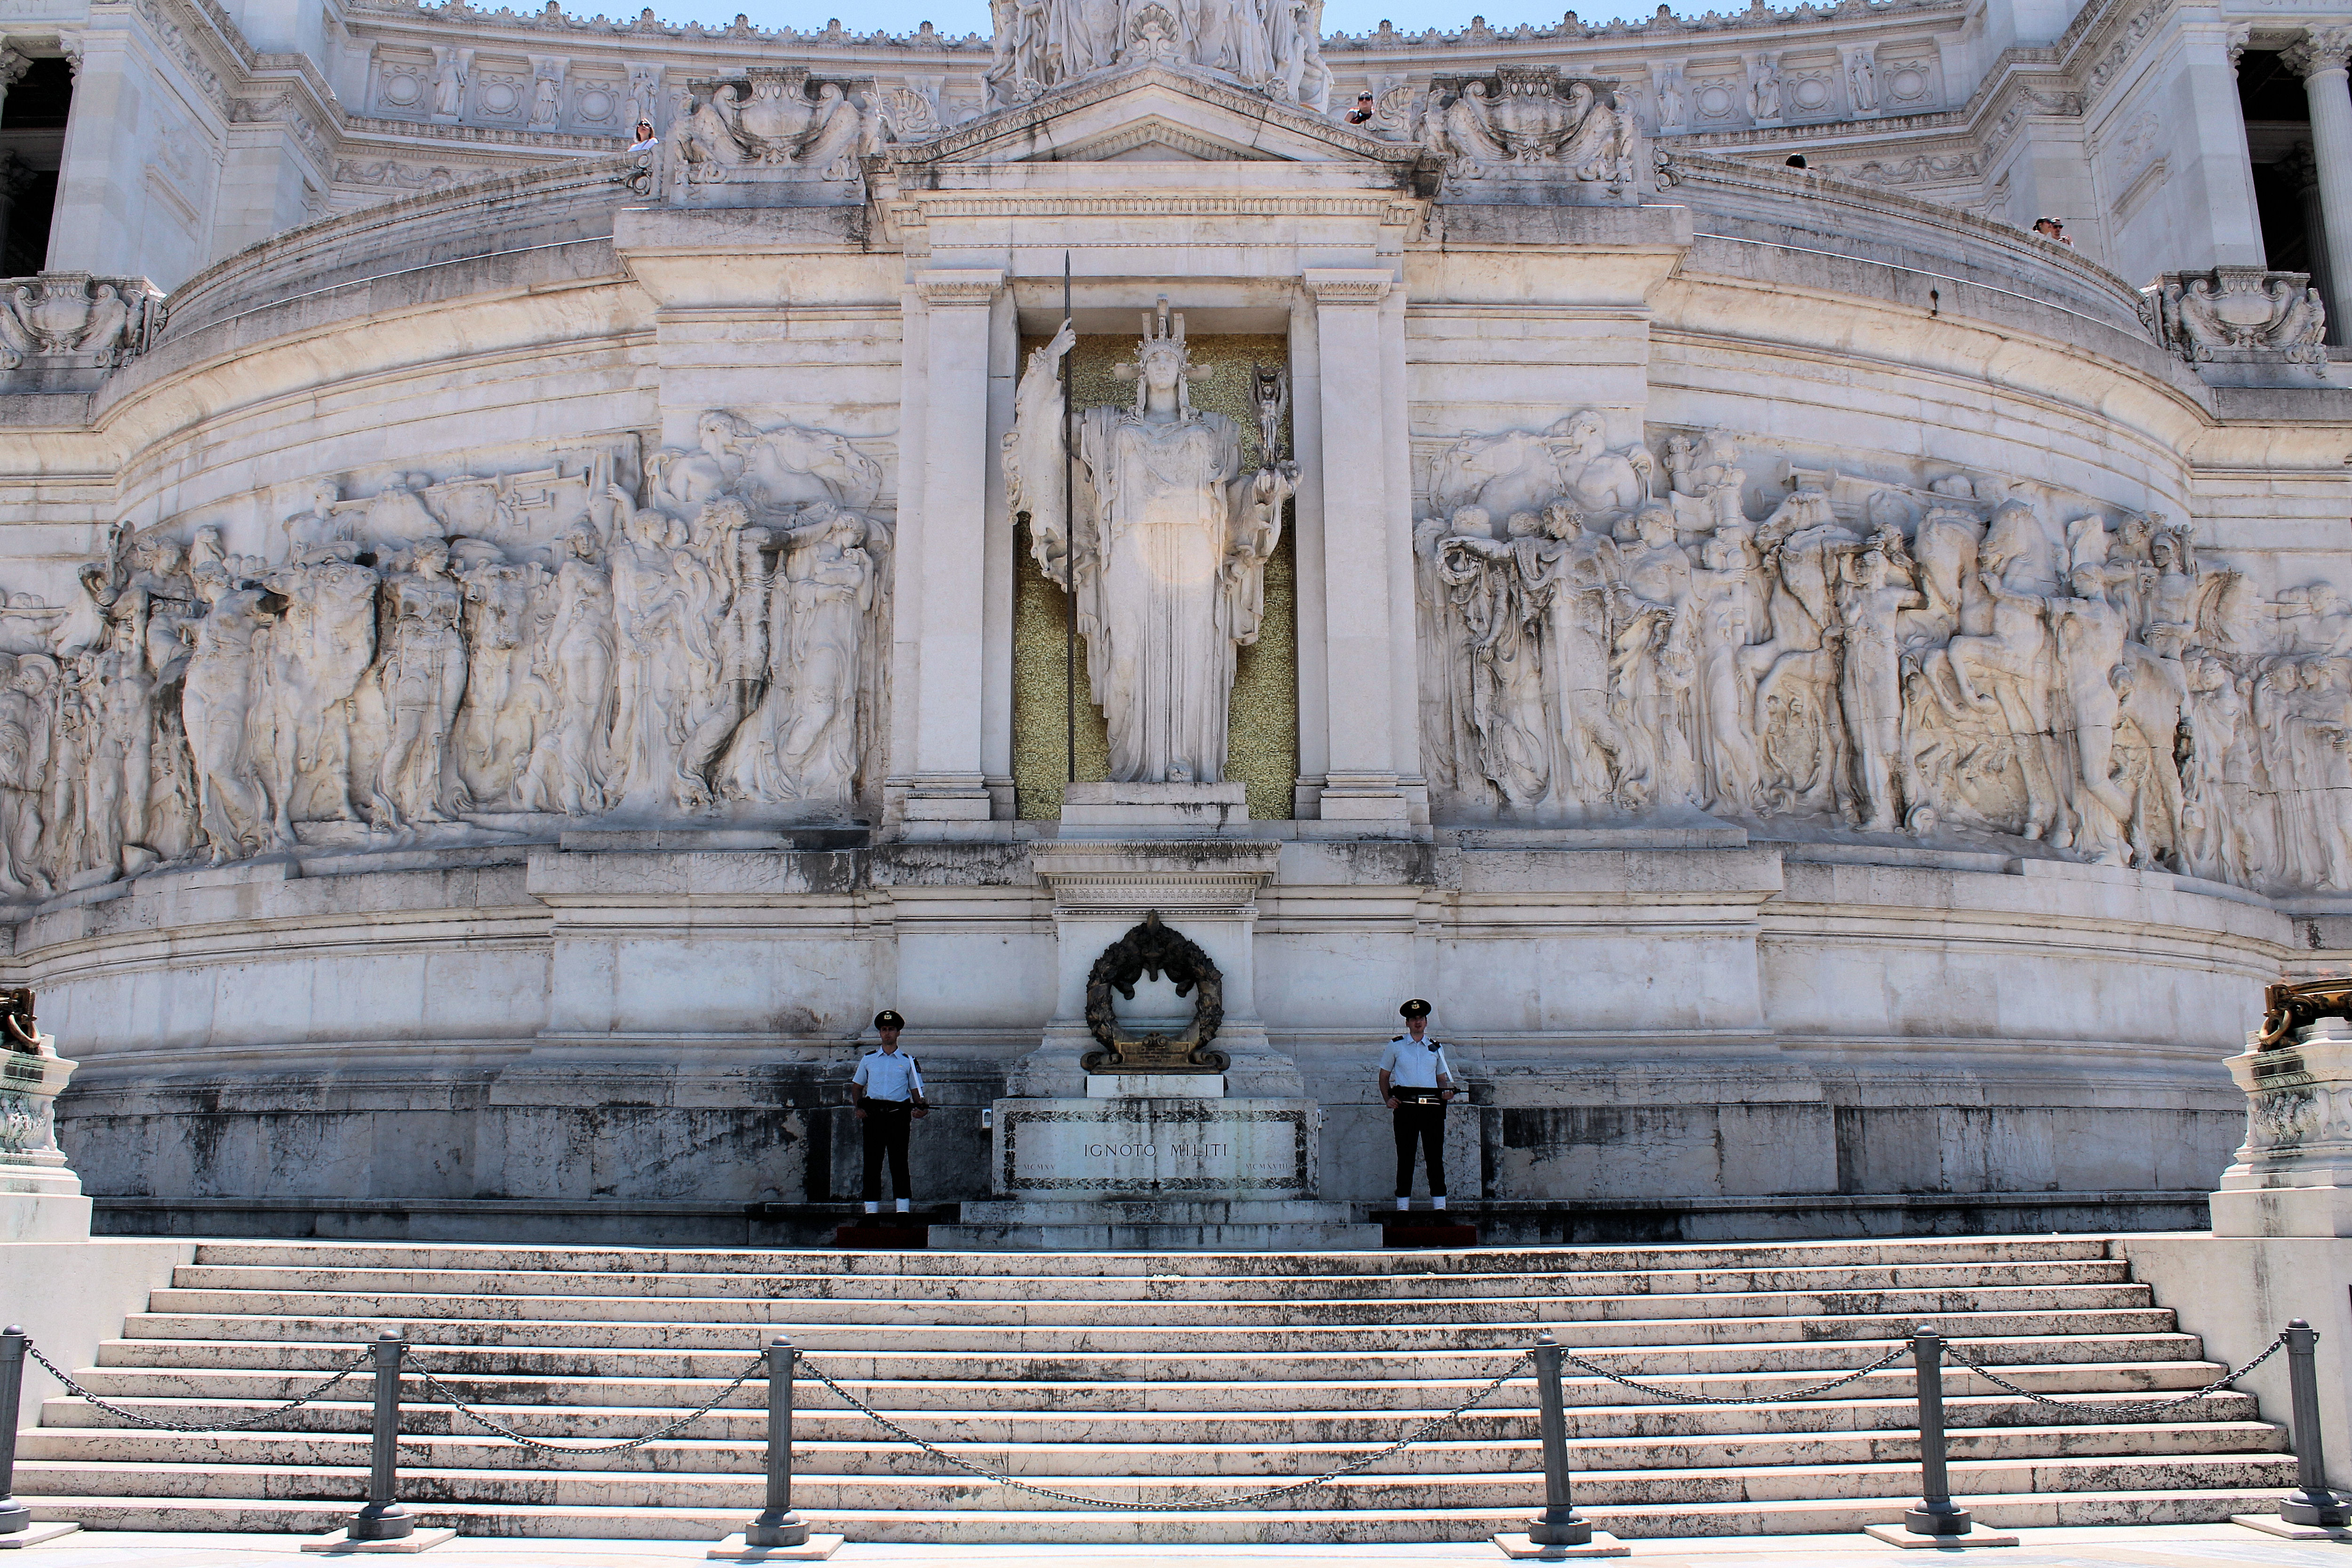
[1170, 539]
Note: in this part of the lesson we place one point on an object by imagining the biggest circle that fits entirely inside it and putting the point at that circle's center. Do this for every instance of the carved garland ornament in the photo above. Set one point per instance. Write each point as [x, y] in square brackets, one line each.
[1153, 949]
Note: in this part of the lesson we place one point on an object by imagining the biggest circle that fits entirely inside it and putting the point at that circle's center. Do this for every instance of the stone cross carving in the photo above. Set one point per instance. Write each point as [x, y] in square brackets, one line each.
[1170, 539]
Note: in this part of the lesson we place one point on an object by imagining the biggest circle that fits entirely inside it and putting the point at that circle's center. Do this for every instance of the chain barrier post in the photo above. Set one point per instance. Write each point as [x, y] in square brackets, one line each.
[15, 1516]
[2314, 1504]
[778, 1525]
[1558, 1524]
[383, 1519]
[1935, 1515]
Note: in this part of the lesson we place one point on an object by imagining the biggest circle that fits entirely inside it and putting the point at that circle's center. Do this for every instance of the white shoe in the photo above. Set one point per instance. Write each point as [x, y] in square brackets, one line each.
[903, 1206]
[873, 1206]
[1437, 1203]
[1404, 1202]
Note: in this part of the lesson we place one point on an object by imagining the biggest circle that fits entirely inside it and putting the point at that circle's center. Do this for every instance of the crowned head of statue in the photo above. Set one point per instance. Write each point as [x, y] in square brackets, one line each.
[1162, 369]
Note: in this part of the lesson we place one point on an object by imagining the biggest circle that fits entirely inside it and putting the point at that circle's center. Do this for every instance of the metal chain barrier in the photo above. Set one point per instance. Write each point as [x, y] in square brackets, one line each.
[499, 1429]
[2133, 1411]
[1244, 1501]
[77, 1389]
[1672, 1396]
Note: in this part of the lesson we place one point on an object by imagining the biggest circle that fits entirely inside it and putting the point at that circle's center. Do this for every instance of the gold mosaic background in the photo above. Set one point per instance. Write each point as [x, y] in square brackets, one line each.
[1264, 711]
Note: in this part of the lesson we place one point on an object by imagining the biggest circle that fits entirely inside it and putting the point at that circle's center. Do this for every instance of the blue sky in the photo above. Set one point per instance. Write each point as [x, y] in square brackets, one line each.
[960, 17]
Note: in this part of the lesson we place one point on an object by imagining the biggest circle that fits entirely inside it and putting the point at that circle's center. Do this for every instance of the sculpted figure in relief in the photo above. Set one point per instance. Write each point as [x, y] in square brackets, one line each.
[1169, 543]
[422, 675]
[1884, 658]
[1274, 47]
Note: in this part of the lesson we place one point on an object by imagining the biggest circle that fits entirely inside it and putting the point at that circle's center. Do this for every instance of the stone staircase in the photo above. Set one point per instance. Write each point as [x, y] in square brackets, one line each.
[1159, 1378]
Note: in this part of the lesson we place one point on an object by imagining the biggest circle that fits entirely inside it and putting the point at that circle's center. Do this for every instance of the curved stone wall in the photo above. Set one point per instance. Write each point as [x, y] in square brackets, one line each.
[509, 680]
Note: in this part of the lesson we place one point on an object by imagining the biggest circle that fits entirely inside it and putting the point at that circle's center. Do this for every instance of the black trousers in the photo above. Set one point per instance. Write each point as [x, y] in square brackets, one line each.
[1426, 1125]
[887, 1123]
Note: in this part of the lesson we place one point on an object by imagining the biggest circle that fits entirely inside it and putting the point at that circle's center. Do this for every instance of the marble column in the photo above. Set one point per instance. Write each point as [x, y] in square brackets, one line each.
[2321, 60]
[2303, 170]
[12, 66]
[13, 172]
[939, 656]
[1365, 552]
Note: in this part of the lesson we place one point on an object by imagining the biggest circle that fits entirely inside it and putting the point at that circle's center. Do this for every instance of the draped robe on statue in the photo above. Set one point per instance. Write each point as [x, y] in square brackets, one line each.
[1171, 547]
[1166, 616]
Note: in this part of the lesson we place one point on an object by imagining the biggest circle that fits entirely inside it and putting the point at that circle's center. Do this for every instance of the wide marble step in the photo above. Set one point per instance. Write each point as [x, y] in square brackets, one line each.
[1277, 1526]
[2092, 1382]
[754, 1322]
[512, 1305]
[832, 1265]
[1385, 1287]
[1509, 1417]
[1449, 1451]
[1500, 1489]
[1183, 1380]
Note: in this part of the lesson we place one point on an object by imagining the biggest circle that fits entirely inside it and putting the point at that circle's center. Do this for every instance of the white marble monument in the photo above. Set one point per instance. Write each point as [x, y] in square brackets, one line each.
[513, 645]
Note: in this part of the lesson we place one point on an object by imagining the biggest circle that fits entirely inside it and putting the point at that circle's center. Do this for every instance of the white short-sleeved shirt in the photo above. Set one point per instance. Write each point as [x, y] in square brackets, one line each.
[889, 1075]
[1414, 1064]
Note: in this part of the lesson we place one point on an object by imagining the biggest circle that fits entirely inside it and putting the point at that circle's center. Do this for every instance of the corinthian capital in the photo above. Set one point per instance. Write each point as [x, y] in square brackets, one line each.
[2322, 50]
[12, 66]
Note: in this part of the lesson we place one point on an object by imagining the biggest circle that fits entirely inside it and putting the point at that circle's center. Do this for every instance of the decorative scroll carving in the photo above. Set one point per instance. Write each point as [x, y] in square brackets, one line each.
[776, 127]
[1530, 122]
[2243, 308]
[70, 322]
[443, 657]
[1607, 633]
[1152, 950]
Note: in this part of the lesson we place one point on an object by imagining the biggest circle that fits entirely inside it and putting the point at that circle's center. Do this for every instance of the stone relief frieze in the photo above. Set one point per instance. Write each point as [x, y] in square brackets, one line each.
[1274, 47]
[1622, 631]
[445, 659]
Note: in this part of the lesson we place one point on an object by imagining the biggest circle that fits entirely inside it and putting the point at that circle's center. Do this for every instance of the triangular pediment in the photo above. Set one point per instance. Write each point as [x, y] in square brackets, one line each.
[1156, 113]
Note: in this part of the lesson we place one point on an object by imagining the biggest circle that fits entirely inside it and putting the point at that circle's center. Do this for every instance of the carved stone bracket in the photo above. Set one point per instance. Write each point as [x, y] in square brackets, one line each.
[2208, 317]
[1153, 949]
[62, 332]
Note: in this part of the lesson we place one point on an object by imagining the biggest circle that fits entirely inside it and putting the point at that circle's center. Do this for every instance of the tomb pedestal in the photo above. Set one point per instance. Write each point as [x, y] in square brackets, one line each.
[1132, 1132]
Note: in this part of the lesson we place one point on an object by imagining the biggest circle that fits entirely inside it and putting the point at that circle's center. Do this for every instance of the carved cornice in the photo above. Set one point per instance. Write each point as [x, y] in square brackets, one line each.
[959, 286]
[1347, 285]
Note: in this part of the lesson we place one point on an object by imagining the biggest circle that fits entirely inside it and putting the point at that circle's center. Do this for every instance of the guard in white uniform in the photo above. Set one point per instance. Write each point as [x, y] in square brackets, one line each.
[1418, 1084]
[889, 1089]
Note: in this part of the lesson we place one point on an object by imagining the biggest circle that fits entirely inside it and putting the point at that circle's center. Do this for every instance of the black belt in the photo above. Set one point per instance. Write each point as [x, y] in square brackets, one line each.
[1420, 1096]
[874, 1104]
